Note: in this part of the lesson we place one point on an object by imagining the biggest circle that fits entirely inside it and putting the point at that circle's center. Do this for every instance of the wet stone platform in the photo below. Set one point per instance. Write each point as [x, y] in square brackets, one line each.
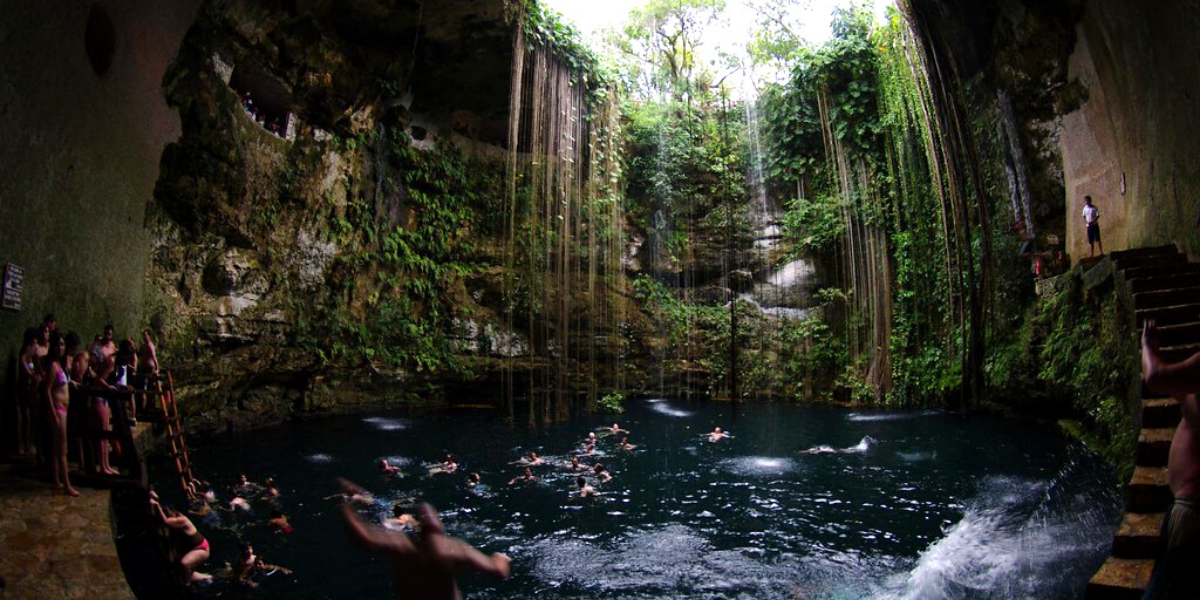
[55, 547]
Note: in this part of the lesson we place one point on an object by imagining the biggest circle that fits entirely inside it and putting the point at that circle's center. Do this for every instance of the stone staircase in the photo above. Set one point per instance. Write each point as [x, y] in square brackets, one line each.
[1165, 287]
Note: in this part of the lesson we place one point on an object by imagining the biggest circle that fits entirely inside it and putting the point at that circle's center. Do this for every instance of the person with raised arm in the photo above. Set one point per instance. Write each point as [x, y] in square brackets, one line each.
[424, 568]
[1179, 544]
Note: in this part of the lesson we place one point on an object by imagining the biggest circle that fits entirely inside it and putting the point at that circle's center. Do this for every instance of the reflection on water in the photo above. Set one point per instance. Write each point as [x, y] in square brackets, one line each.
[913, 506]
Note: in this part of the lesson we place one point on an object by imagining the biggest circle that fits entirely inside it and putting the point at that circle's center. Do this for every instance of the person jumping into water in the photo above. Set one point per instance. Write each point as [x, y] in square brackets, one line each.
[424, 568]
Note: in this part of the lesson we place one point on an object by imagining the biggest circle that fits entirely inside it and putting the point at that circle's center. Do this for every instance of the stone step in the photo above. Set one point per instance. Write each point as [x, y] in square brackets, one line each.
[1144, 252]
[1171, 270]
[1137, 537]
[1170, 315]
[1169, 297]
[1120, 579]
[1153, 447]
[1169, 282]
[1174, 354]
[1160, 412]
[1150, 261]
[1179, 335]
[1148, 491]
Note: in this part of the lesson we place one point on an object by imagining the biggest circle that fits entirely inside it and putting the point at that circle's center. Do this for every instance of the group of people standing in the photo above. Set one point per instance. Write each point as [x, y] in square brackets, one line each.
[64, 393]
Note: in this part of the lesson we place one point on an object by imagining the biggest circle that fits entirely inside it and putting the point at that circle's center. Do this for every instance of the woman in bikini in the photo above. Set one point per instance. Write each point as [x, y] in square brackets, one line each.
[54, 382]
[197, 547]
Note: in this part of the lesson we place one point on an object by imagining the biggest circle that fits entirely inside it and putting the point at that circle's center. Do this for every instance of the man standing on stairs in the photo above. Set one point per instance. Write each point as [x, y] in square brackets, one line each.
[1175, 574]
[1091, 217]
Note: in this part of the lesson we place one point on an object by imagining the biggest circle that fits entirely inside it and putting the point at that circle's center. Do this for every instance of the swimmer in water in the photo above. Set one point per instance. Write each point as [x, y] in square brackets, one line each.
[426, 567]
[527, 477]
[601, 474]
[245, 487]
[575, 465]
[449, 465]
[351, 493]
[820, 450]
[473, 480]
[625, 445]
[402, 521]
[615, 430]
[279, 521]
[250, 565]
[589, 450]
[585, 490]
[532, 459]
[389, 469]
[718, 435]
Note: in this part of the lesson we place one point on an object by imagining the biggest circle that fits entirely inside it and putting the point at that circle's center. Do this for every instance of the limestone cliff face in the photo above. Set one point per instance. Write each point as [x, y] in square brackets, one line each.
[324, 197]
[1102, 95]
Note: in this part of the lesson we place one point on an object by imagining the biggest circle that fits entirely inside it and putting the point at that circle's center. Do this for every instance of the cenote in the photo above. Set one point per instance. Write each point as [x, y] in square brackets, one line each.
[922, 505]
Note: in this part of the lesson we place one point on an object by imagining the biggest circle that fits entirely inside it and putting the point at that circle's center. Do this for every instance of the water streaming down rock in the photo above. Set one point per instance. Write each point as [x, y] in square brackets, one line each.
[564, 233]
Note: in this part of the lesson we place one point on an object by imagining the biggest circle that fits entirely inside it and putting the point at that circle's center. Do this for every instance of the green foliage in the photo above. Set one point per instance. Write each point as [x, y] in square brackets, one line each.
[391, 297]
[816, 225]
[1075, 352]
[613, 403]
[544, 27]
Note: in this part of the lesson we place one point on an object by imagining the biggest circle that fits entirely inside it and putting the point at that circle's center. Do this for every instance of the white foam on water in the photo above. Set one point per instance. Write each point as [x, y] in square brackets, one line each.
[661, 407]
[320, 458]
[1014, 541]
[385, 424]
[890, 416]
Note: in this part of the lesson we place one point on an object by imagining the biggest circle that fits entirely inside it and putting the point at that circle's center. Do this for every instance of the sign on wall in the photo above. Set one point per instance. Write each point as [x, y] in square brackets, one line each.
[14, 286]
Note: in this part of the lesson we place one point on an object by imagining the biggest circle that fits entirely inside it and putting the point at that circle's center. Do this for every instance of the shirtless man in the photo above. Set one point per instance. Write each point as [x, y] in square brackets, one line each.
[532, 459]
[1179, 546]
[389, 469]
[425, 568]
[718, 435]
[585, 489]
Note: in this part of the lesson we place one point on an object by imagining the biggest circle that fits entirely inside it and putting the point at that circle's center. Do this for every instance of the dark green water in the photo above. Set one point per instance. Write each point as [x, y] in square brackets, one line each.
[921, 505]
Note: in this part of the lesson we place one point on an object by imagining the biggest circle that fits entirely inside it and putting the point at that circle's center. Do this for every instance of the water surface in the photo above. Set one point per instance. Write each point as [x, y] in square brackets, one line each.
[920, 505]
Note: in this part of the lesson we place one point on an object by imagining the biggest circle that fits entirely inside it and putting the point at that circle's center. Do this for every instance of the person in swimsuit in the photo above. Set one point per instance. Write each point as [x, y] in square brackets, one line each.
[198, 548]
[389, 469]
[426, 567]
[57, 396]
[102, 415]
[601, 473]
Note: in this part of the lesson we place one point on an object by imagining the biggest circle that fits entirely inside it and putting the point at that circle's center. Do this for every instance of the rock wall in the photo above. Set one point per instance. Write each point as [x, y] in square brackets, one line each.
[84, 121]
[1133, 145]
[313, 253]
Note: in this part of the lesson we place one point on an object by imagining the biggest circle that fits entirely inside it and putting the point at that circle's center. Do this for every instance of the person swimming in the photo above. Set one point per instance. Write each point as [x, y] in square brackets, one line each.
[585, 490]
[473, 480]
[389, 469]
[575, 465]
[527, 477]
[601, 473]
[448, 466]
[402, 521]
[718, 435]
[625, 445]
[532, 459]
[352, 493]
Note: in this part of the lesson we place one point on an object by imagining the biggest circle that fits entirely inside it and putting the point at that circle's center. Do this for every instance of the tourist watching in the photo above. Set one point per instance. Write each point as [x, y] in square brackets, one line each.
[57, 395]
[79, 373]
[28, 381]
[102, 412]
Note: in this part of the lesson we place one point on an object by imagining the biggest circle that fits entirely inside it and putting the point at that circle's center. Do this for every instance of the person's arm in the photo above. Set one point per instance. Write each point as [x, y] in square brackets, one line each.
[462, 555]
[1178, 379]
[374, 538]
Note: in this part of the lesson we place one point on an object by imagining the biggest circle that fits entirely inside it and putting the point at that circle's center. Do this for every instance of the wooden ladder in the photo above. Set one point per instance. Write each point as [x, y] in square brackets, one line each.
[170, 410]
